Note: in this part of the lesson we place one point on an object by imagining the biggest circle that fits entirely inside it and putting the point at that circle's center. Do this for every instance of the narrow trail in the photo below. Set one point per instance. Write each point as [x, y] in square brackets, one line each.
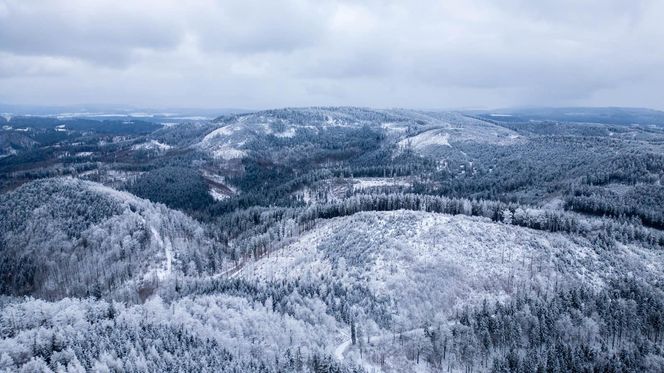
[168, 252]
[341, 349]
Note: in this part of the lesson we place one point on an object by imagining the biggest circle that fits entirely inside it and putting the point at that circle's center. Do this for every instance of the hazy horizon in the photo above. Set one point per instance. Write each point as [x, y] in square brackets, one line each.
[130, 110]
[254, 55]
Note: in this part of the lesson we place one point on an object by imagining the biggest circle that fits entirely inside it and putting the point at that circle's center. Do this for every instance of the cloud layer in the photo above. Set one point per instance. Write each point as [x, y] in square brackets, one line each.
[384, 53]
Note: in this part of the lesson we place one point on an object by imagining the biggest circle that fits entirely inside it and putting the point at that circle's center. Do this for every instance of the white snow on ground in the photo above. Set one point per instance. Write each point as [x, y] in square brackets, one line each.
[450, 128]
[226, 142]
[152, 144]
[217, 195]
[432, 263]
[554, 204]
[307, 195]
[166, 245]
[375, 182]
[151, 218]
[337, 188]
[341, 349]
[223, 131]
[214, 177]
[395, 127]
[117, 194]
[228, 152]
[289, 133]
[8, 151]
[330, 121]
[163, 243]
[437, 137]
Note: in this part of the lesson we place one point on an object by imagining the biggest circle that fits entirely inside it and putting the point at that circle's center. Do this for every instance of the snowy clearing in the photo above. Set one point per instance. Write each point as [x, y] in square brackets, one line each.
[152, 145]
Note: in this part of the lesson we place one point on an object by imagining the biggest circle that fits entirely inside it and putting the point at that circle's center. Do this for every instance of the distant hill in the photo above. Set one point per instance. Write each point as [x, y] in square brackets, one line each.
[307, 130]
[130, 126]
[605, 115]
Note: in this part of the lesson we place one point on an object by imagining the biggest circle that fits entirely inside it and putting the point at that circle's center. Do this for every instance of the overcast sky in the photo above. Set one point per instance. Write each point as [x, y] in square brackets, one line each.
[379, 53]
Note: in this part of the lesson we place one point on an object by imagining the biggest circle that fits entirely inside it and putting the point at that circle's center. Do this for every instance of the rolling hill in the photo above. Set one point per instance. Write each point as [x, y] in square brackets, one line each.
[67, 237]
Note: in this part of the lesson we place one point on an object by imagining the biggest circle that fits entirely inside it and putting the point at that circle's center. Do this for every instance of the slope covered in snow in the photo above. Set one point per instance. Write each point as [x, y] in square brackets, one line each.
[449, 128]
[430, 264]
[239, 135]
[64, 237]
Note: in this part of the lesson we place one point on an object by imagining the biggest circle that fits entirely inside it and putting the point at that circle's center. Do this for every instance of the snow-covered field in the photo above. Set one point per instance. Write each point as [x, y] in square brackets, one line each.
[429, 138]
[336, 189]
[226, 142]
[218, 196]
[363, 183]
[152, 145]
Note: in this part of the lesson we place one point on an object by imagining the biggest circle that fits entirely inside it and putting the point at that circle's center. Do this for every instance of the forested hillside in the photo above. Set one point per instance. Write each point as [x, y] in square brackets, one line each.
[335, 239]
[66, 237]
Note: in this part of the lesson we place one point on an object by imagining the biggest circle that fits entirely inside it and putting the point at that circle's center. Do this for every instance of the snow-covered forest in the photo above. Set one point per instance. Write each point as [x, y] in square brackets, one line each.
[334, 239]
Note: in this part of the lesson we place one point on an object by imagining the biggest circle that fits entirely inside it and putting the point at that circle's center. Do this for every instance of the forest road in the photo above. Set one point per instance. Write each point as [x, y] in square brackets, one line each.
[343, 346]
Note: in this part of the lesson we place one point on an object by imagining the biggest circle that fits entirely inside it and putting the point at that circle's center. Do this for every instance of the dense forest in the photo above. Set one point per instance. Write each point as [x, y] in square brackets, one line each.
[334, 239]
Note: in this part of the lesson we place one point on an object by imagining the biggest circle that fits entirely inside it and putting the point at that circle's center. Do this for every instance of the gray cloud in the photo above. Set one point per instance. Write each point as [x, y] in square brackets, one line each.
[255, 26]
[421, 53]
[103, 32]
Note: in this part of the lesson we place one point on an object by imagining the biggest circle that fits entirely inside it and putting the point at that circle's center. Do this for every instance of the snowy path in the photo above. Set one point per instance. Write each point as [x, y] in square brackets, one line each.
[229, 273]
[343, 346]
[168, 251]
[341, 350]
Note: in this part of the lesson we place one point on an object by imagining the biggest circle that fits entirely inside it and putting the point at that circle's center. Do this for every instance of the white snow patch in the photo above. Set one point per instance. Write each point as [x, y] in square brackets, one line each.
[286, 134]
[214, 177]
[228, 152]
[330, 121]
[341, 349]
[117, 194]
[225, 143]
[394, 127]
[217, 195]
[433, 263]
[367, 183]
[223, 131]
[435, 137]
[152, 144]
[167, 246]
